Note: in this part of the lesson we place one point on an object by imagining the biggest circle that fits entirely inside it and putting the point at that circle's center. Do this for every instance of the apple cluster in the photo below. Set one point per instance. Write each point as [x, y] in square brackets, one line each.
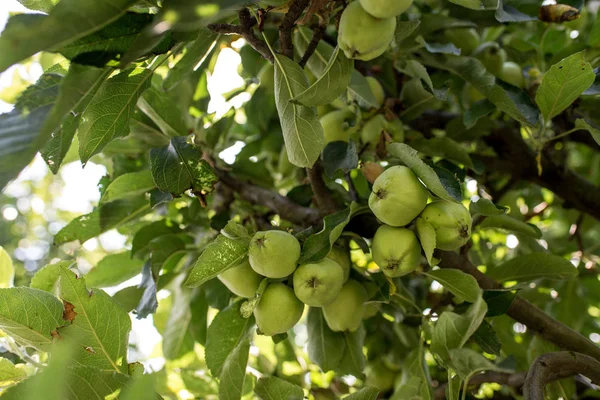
[398, 198]
[367, 27]
[274, 254]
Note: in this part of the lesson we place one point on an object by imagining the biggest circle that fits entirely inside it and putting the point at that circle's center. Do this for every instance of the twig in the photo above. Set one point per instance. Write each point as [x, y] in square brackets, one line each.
[558, 365]
[296, 9]
[515, 380]
[314, 42]
[323, 198]
[244, 30]
[351, 187]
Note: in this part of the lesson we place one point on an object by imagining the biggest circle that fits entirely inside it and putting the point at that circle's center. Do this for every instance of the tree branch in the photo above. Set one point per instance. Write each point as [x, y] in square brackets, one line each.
[285, 27]
[553, 366]
[526, 313]
[279, 204]
[323, 198]
[503, 378]
[312, 46]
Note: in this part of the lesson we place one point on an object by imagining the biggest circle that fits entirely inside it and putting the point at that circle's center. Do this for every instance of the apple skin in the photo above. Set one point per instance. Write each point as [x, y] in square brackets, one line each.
[241, 280]
[318, 284]
[380, 376]
[336, 127]
[398, 196]
[371, 130]
[377, 90]
[451, 221]
[396, 250]
[278, 309]
[466, 39]
[362, 36]
[492, 57]
[345, 313]
[340, 255]
[512, 73]
[274, 254]
[385, 8]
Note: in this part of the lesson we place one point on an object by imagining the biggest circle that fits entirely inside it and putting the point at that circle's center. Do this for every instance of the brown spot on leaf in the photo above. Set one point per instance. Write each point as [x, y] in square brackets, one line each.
[55, 335]
[89, 349]
[69, 313]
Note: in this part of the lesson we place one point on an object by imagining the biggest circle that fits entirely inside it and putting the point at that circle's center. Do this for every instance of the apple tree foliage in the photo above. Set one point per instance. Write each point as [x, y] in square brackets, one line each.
[492, 104]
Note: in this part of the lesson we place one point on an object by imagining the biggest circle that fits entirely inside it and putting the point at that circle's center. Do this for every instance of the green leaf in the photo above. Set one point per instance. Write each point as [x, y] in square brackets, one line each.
[325, 347]
[39, 5]
[478, 109]
[113, 269]
[452, 331]
[195, 56]
[353, 359]
[140, 387]
[426, 235]
[19, 129]
[107, 116]
[177, 337]
[459, 283]
[273, 388]
[96, 322]
[331, 84]
[46, 278]
[107, 216]
[486, 338]
[179, 166]
[533, 266]
[510, 223]
[7, 271]
[146, 234]
[441, 48]
[231, 379]
[404, 29]
[30, 316]
[478, 5]
[444, 147]
[9, 373]
[418, 385]
[302, 131]
[164, 111]
[410, 157]
[225, 333]
[467, 362]
[219, 256]
[317, 246]
[583, 124]
[366, 393]
[339, 156]
[486, 208]
[131, 184]
[563, 83]
[67, 22]
[498, 301]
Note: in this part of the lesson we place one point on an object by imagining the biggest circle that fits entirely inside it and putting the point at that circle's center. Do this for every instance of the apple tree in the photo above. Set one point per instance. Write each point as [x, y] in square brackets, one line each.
[401, 201]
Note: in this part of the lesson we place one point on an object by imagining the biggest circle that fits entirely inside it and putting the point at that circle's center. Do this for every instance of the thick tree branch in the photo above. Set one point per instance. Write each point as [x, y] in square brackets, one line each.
[526, 313]
[244, 30]
[279, 204]
[286, 26]
[503, 378]
[553, 366]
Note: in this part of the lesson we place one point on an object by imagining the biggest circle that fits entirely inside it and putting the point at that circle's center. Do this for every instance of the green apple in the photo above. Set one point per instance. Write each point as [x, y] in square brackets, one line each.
[241, 280]
[362, 36]
[377, 90]
[396, 250]
[512, 73]
[340, 255]
[492, 56]
[380, 376]
[451, 221]
[336, 125]
[471, 94]
[398, 196]
[274, 254]
[385, 8]
[278, 309]
[345, 313]
[466, 39]
[318, 284]
[371, 130]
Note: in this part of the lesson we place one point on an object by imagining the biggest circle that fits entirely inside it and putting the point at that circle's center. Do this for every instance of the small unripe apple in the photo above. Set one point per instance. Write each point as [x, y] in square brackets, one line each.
[274, 254]
[241, 280]
[385, 8]
[451, 221]
[466, 39]
[278, 309]
[336, 125]
[362, 36]
[398, 196]
[396, 250]
[318, 284]
[492, 56]
[377, 90]
[371, 130]
[512, 73]
[380, 376]
[340, 255]
[345, 313]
